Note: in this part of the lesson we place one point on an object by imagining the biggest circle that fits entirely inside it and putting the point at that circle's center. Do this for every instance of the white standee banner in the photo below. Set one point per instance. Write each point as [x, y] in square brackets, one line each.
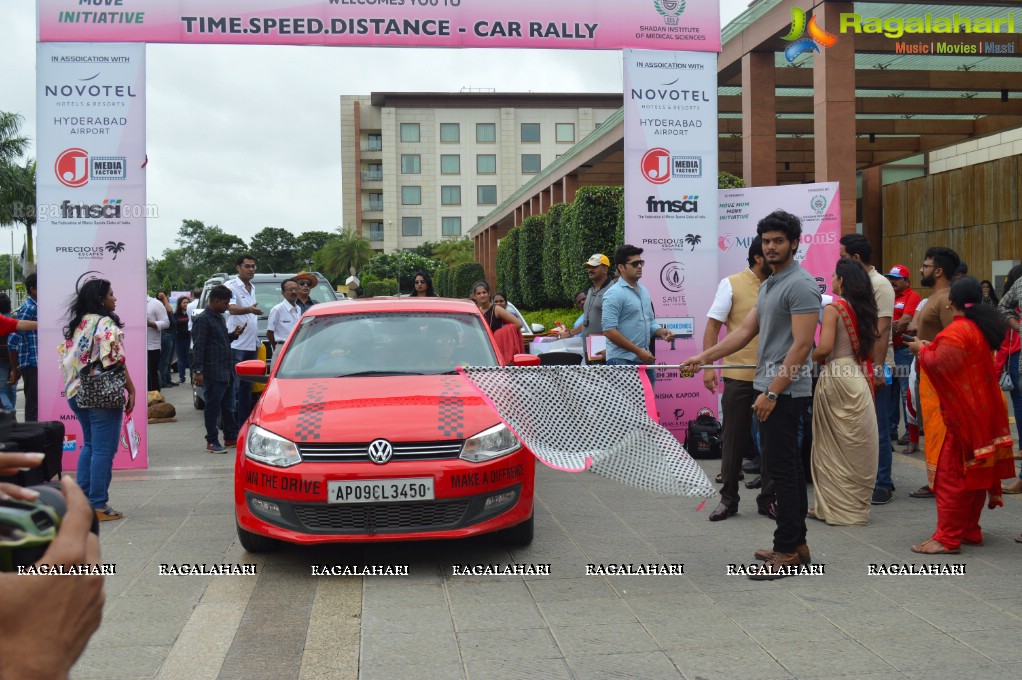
[671, 207]
[91, 211]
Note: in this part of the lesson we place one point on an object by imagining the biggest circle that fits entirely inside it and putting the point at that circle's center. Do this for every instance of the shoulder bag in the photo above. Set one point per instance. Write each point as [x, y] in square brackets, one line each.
[99, 387]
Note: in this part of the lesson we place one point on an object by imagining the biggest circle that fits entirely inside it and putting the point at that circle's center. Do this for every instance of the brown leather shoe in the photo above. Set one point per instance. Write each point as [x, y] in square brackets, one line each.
[723, 511]
[777, 566]
[802, 551]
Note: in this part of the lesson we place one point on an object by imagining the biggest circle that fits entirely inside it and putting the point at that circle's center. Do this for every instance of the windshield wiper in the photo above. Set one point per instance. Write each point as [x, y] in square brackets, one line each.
[362, 374]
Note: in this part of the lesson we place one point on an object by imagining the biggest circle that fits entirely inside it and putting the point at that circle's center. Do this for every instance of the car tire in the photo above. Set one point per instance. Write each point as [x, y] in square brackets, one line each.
[198, 402]
[254, 543]
[520, 534]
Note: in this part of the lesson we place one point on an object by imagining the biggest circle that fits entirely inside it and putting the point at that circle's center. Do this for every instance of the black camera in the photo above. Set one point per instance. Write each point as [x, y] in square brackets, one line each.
[28, 527]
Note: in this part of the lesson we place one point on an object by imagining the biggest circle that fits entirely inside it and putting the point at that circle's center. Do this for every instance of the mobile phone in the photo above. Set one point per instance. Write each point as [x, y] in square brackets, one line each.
[908, 338]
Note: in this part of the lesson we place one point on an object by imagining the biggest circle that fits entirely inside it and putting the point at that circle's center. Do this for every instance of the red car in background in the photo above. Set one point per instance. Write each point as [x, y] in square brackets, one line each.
[366, 432]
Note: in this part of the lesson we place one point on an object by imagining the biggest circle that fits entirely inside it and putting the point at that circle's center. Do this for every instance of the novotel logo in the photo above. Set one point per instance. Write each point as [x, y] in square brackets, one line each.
[687, 204]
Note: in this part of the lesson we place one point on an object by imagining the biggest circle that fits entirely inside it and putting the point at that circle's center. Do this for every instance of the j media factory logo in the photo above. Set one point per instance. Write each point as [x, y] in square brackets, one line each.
[659, 166]
[74, 167]
[799, 44]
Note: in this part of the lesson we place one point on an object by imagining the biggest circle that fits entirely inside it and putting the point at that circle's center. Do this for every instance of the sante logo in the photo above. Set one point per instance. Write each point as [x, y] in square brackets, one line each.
[799, 45]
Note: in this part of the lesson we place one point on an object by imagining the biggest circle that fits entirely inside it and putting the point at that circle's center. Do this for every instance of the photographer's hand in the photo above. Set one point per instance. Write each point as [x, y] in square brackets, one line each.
[45, 622]
[10, 463]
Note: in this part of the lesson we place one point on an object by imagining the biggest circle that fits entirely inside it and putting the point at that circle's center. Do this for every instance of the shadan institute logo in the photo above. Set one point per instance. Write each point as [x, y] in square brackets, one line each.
[670, 10]
[799, 44]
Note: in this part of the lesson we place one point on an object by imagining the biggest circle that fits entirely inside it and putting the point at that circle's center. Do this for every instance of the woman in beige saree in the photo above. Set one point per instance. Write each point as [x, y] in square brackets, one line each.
[844, 456]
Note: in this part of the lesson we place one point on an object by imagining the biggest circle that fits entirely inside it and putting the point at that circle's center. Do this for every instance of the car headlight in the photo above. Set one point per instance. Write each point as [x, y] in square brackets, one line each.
[489, 444]
[271, 449]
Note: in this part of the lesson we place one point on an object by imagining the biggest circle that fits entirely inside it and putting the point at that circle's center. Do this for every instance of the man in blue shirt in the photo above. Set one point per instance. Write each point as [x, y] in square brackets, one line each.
[629, 323]
[23, 348]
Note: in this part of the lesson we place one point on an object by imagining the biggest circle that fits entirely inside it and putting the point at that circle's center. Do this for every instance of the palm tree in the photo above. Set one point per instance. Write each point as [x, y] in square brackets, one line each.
[345, 253]
[116, 247]
[693, 240]
[17, 199]
[12, 145]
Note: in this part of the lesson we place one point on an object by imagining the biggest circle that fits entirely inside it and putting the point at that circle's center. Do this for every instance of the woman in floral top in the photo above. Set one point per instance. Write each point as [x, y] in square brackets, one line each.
[93, 334]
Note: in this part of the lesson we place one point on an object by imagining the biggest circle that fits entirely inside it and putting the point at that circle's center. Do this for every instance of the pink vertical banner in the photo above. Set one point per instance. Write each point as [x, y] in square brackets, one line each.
[671, 208]
[90, 202]
[817, 205]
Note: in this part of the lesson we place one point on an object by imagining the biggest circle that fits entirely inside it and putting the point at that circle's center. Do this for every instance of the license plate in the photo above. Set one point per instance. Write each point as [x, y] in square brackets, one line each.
[381, 490]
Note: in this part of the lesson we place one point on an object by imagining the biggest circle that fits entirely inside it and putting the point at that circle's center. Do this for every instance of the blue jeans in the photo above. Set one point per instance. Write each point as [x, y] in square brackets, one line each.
[8, 393]
[902, 363]
[183, 353]
[651, 372]
[883, 406]
[242, 390]
[219, 404]
[101, 430]
[167, 342]
[1016, 392]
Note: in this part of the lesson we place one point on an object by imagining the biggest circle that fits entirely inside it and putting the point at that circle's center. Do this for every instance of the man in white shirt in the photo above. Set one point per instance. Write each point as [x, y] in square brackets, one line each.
[192, 306]
[156, 321]
[243, 313]
[283, 316]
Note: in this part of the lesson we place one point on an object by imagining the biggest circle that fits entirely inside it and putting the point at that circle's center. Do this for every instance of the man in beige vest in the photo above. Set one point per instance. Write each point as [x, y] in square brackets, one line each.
[736, 296]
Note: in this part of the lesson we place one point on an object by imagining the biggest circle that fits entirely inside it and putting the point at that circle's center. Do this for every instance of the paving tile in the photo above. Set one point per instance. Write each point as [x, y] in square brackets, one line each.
[128, 662]
[580, 640]
[582, 611]
[585, 587]
[441, 649]
[919, 652]
[431, 671]
[713, 662]
[532, 668]
[509, 615]
[1000, 645]
[640, 666]
[842, 657]
[510, 644]
[407, 620]
[484, 591]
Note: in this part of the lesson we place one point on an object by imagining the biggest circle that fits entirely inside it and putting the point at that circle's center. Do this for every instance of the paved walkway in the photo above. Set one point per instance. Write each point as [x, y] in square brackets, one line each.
[286, 623]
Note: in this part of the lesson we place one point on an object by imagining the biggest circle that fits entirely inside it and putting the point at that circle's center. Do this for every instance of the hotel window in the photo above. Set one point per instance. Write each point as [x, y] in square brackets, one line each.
[530, 132]
[374, 172]
[411, 226]
[450, 132]
[450, 164]
[486, 194]
[486, 132]
[486, 164]
[375, 202]
[376, 231]
[375, 142]
[409, 132]
[450, 195]
[451, 226]
[531, 163]
[410, 164]
[565, 132]
[411, 195]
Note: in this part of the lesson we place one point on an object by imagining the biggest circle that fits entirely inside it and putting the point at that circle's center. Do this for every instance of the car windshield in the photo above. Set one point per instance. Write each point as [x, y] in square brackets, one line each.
[375, 344]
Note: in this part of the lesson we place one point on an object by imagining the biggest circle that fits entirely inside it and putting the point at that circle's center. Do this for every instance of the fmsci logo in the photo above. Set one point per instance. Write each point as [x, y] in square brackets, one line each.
[687, 204]
[800, 45]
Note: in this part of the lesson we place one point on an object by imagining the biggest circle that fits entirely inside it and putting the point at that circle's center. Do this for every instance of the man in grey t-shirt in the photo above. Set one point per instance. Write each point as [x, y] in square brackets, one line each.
[785, 319]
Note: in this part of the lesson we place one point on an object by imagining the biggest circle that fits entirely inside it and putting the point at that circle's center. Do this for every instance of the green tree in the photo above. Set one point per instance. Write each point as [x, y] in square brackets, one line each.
[344, 254]
[725, 180]
[17, 199]
[5, 271]
[208, 250]
[455, 252]
[12, 144]
[401, 266]
[275, 250]
[309, 243]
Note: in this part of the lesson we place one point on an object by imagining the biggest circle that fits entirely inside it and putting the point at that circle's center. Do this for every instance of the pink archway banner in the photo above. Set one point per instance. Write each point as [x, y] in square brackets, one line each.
[689, 25]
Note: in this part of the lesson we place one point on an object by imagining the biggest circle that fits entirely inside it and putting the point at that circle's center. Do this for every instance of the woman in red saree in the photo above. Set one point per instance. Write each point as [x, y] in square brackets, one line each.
[977, 450]
[506, 327]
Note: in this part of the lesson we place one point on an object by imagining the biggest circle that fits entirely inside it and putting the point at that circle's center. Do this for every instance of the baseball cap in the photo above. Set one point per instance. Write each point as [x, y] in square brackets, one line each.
[597, 259]
[898, 271]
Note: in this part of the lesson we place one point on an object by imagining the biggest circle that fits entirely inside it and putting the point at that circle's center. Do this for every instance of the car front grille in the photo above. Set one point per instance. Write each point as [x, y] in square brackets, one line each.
[378, 519]
[359, 453]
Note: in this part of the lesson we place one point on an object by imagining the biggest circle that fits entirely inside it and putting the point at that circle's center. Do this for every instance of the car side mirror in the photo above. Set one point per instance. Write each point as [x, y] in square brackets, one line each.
[252, 370]
[525, 360]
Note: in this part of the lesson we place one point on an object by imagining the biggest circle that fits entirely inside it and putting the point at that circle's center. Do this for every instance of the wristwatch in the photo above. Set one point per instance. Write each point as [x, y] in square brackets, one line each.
[771, 396]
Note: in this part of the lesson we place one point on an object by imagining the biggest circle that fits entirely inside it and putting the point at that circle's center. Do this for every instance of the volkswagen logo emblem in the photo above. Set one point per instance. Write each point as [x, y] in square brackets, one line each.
[380, 451]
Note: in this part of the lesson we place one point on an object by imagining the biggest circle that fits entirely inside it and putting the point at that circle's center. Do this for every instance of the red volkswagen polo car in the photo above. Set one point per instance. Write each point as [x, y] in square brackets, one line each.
[366, 432]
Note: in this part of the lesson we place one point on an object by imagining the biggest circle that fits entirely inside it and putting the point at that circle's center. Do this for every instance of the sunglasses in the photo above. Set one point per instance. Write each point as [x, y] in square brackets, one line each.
[420, 282]
[636, 263]
[305, 284]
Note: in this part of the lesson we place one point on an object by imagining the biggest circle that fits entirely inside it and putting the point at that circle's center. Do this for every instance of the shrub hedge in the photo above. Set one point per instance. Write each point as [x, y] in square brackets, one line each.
[507, 265]
[591, 230]
[462, 277]
[551, 278]
[381, 287]
[530, 263]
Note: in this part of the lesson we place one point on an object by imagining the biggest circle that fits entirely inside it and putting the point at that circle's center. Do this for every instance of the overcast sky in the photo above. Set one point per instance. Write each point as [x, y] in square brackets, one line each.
[247, 137]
